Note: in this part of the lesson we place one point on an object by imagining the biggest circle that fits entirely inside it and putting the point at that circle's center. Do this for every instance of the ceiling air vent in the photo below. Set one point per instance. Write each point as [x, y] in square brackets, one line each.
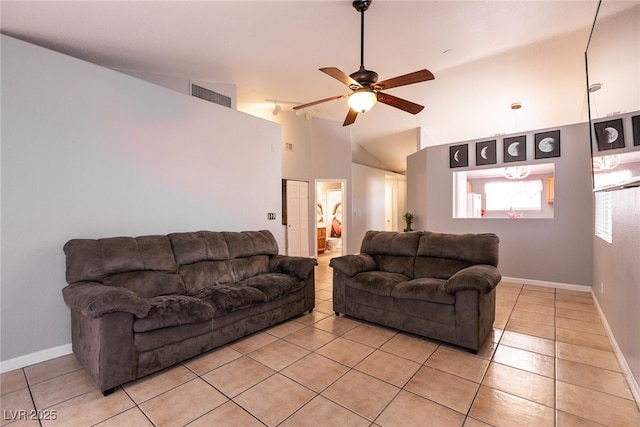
[211, 96]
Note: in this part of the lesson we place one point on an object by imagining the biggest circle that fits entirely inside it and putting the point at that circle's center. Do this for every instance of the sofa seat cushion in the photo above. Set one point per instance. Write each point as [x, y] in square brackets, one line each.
[273, 285]
[147, 284]
[376, 282]
[174, 310]
[425, 289]
[228, 298]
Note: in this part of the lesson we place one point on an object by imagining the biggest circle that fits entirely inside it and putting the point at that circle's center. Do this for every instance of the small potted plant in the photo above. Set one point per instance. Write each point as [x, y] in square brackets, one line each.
[408, 218]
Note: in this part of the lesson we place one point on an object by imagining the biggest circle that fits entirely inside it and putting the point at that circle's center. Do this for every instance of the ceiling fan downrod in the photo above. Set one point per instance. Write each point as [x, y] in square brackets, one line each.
[363, 76]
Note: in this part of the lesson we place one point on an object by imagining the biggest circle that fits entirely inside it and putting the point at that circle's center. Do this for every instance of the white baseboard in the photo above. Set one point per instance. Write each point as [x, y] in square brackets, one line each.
[624, 366]
[557, 285]
[33, 358]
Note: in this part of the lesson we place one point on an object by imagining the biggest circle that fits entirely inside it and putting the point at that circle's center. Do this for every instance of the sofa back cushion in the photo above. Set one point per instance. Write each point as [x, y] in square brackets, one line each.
[193, 247]
[441, 255]
[393, 252]
[244, 244]
[144, 264]
[203, 259]
[217, 258]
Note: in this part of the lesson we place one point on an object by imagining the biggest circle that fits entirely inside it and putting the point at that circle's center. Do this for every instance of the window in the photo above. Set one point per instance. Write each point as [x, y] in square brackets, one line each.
[523, 195]
[604, 229]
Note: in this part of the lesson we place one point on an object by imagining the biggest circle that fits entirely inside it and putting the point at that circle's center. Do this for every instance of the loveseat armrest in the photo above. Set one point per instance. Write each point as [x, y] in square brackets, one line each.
[481, 277]
[94, 299]
[299, 267]
[352, 264]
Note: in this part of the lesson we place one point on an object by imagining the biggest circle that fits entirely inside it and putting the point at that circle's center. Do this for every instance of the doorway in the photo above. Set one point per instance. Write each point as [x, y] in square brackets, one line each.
[331, 219]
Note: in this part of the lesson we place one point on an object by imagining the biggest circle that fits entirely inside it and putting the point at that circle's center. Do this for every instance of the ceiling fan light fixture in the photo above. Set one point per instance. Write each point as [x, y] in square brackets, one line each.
[516, 172]
[362, 100]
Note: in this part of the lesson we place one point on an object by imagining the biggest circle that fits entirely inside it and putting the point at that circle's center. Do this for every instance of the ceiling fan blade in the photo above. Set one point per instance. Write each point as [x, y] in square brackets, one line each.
[299, 107]
[407, 79]
[351, 117]
[402, 104]
[339, 75]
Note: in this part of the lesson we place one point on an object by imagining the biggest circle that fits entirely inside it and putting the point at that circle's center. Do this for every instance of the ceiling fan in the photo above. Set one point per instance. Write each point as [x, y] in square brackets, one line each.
[364, 85]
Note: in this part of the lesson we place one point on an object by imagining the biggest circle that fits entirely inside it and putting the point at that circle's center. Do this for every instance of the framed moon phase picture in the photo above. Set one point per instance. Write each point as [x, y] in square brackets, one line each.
[547, 144]
[486, 153]
[459, 156]
[515, 148]
[635, 121]
[609, 135]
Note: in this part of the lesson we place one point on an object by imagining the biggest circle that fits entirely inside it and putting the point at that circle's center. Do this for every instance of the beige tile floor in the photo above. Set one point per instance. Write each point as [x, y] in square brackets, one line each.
[548, 362]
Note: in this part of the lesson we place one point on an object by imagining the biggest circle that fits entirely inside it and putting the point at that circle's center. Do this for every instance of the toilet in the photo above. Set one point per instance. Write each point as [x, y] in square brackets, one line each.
[334, 244]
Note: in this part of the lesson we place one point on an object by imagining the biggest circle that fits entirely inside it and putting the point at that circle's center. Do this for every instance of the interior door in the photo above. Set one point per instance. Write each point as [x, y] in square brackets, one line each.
[297, 218]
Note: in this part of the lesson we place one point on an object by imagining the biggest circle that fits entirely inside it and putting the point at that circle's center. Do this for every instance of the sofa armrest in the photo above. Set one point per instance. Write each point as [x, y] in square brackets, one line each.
[94, 299]
[481, 277]
[299, 267]
[351, 265]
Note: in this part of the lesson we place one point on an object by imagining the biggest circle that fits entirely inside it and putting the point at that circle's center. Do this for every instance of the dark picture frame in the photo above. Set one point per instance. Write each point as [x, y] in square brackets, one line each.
[547, 144]
[459, 156]
[609, 134]
[486, 153]
[514, 148]
[635, 122]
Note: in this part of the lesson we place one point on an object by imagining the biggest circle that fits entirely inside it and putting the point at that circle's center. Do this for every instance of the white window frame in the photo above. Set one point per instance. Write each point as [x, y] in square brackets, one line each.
[603, 216]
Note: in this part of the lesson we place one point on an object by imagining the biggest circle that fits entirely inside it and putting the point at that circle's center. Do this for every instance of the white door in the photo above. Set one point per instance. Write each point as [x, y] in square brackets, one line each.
[297, 218]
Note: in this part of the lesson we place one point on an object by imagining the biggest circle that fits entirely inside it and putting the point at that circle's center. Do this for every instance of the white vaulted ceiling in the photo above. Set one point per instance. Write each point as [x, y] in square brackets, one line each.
[273, 49]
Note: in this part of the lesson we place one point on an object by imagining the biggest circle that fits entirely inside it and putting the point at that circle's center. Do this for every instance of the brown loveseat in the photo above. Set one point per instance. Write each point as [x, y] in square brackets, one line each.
[141, 304]
[438, 285]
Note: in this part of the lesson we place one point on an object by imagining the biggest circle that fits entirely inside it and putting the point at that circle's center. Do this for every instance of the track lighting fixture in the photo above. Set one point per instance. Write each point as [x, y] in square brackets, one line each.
[278, 103]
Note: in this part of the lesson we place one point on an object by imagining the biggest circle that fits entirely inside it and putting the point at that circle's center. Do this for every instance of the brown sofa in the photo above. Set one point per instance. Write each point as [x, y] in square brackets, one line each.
[142, 304]
[438, 285]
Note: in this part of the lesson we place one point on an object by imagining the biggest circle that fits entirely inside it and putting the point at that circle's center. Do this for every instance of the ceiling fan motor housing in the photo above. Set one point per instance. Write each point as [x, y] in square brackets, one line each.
[364, 77]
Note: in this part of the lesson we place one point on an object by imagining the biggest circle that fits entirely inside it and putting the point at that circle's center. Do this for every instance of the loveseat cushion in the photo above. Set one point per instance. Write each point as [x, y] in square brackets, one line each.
[395, 264]
[424, 289]
[273, 285]
[353, 264]
[174, 310]
[482, 278]
[228, 298]
[376, 282]
[441, 255]
[390, 243]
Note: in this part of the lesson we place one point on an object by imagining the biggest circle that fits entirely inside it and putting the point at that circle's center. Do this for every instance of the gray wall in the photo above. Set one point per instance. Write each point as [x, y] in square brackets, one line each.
[554, 250]
[90, 152]
[617, 267]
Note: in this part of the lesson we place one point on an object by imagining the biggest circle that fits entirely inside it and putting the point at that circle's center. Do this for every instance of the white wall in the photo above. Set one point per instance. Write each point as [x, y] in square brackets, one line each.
[554, 250]
[90, 152]
[616, 268]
